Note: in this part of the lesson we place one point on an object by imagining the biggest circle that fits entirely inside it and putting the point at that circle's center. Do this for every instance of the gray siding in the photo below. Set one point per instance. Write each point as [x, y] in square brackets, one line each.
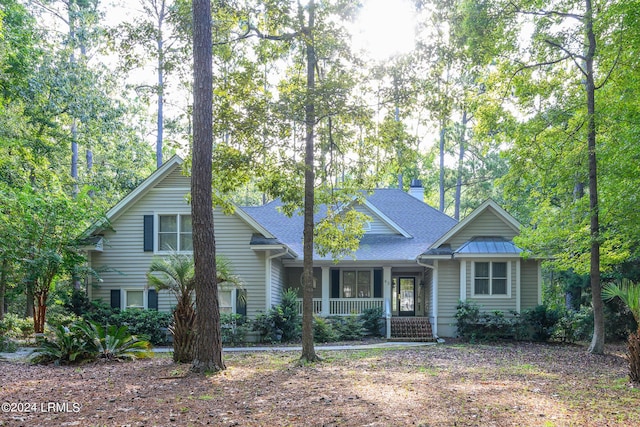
[175, 180]
[377, 226]
[448, 296]
[488, 223]
[123, 249]
[277, 281]
[529, 284]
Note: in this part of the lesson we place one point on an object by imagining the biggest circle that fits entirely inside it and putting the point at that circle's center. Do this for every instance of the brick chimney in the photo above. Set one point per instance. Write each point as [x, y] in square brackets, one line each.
[416, 189]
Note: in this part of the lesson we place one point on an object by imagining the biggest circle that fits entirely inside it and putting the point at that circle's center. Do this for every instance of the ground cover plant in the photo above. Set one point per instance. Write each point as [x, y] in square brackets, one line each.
[532, 384]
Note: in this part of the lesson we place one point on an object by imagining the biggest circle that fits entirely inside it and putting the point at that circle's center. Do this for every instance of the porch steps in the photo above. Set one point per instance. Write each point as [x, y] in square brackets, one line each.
[411, 329]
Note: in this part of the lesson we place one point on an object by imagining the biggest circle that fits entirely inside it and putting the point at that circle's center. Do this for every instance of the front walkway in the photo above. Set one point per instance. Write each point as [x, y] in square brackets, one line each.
[23, 353]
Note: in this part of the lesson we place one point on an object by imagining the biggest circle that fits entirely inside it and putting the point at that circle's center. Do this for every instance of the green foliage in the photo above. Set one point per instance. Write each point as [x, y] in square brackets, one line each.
[372, 321]
[628, 292]
[68, 345]
[542, 320]
[282, 322]
[348, 328]
[112, 342]
[7, 345]
[13, 326]
[323, 330]
[474, 325]
[234, 328]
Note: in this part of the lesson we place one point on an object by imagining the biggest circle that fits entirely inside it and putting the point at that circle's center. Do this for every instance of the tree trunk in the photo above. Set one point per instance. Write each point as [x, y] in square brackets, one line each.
[29, 311]
[184, 332]
[40, 311]
[208, 354]
[3, 286]
[634, 356]
[308, 350]
[160, 119]
[463, 133]
[597, 342]
[442, 134]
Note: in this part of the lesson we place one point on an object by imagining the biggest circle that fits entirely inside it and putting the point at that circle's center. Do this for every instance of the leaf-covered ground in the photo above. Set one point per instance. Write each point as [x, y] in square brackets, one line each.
[444, 385]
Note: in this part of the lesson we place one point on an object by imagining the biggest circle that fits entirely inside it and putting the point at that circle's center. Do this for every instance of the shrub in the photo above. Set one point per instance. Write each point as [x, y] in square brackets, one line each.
[234, 328]
[474, 325]
[348, 328]
[542, 320]
[148, 324]
[282, 322]
[89, 341]
[323, 330]
[372, 321]
[67, 346]
[16, 327]
[7, 345]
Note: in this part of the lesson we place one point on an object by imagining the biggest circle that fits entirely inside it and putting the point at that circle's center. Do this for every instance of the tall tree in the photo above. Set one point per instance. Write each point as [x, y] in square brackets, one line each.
[208, 354]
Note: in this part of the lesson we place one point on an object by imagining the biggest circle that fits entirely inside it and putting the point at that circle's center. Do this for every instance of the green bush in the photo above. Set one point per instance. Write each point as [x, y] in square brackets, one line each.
[150, 325]
[348, 328]
[7, 345]
[282, 322]
[89, 341]
[372, 321]
[323, 330]
[542, 321]
[16, 327]
[234, 328]
[474, 325]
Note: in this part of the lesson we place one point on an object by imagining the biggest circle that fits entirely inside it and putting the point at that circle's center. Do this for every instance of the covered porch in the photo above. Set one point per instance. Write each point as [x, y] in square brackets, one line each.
[401, 292]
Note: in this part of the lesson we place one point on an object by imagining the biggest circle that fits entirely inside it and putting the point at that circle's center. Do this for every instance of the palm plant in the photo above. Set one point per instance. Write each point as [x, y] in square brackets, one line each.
[113, 342]
[175, 273]
[66, 346]
[629, 293]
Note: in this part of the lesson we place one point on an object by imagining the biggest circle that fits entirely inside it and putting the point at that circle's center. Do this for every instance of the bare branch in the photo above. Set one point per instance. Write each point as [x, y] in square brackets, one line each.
[570, 54]
[547, 12]
[613, 66]
[281, 37]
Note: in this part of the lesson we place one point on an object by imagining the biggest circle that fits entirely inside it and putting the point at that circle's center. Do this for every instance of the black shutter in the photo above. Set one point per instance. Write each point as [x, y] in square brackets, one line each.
[335, 283]
[152, 300]
[241, 302]
[115, 298]
[377, 283]
[148, 233]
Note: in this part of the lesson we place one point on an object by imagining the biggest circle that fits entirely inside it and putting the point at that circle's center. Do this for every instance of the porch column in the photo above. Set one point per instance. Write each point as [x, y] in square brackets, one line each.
[325, 292]
[267, 280]
[386, 294]
[434, 299]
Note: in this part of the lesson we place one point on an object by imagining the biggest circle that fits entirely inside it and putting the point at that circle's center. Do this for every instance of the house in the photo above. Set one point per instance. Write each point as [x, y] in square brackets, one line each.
[414, 262]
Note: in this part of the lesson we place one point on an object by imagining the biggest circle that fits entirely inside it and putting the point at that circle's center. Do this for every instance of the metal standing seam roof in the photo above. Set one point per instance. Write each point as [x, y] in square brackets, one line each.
[489, 245]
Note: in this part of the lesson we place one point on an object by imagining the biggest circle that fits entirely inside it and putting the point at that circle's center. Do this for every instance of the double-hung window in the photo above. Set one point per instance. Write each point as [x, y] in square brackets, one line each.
[490, 278]
[175, 233]
[356, 284]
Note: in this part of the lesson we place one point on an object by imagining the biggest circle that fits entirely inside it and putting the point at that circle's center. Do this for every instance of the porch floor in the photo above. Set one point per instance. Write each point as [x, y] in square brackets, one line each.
[411, 329]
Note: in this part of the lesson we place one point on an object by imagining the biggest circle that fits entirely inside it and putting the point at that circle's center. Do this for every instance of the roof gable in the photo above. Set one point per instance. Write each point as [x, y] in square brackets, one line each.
[488, 207]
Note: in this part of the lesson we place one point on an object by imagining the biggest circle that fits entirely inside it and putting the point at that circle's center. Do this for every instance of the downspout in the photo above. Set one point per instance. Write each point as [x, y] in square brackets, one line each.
[268, 290]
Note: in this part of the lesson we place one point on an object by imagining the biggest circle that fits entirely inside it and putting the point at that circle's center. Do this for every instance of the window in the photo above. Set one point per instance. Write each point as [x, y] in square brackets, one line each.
[134, 299]
[356, 284]
[175, 233]
[490, 278]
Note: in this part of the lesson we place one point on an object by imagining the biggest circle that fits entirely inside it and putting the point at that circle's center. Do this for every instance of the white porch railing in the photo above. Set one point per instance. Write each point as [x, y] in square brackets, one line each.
[344, 306]
[317, 305]
[347, 306]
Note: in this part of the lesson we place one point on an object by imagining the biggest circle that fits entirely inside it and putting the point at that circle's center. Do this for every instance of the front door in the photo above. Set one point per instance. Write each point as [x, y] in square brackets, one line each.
[407, 296]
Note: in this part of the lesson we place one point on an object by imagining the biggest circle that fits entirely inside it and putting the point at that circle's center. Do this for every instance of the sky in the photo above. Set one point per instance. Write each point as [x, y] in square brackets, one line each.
[386, 28]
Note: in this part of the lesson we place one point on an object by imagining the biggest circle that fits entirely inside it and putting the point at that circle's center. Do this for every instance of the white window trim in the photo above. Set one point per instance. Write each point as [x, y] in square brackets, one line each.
[371, 280]
[472, 280]
[123, 298]
[156, 231]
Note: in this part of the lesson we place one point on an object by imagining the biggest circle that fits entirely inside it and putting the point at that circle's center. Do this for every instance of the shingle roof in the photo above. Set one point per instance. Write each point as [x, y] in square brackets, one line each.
[424, 224]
